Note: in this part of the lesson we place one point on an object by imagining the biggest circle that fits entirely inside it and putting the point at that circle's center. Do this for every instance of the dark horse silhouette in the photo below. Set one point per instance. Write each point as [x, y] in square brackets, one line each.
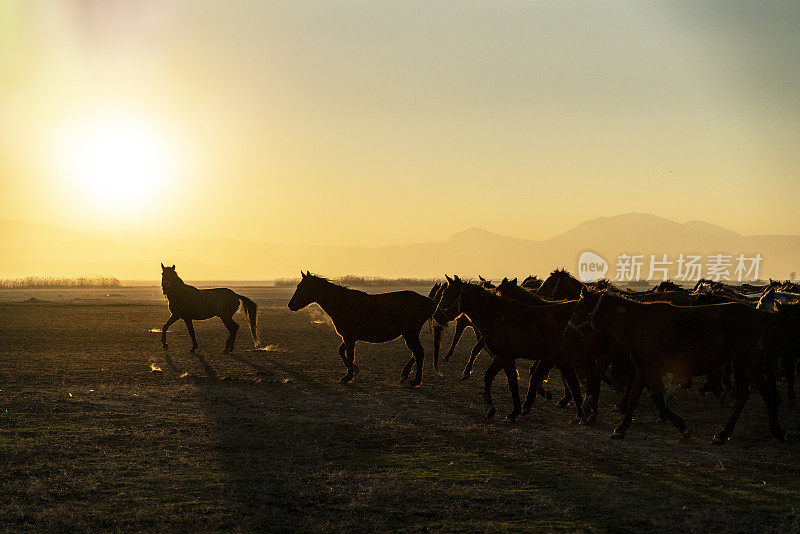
[358, 316]
[188, 303]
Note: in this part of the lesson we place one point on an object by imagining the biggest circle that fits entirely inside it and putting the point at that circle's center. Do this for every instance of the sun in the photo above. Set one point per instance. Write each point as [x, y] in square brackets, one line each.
[116, 163]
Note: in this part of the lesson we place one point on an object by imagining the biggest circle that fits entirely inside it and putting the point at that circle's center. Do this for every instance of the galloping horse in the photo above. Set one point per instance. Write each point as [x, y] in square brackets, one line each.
[689, 341]
[358, 316]
[189, 303]
[462, 323]
[512, 330]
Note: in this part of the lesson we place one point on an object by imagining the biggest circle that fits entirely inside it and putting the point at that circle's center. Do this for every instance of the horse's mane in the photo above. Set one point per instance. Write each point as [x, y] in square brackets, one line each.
[603, 283]
[667, 285]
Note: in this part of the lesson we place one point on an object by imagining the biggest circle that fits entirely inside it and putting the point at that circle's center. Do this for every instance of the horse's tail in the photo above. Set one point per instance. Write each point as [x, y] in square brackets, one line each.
[251, 312]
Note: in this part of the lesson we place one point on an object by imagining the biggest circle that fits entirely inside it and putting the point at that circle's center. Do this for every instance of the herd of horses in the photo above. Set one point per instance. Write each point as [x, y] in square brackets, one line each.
[739, 337]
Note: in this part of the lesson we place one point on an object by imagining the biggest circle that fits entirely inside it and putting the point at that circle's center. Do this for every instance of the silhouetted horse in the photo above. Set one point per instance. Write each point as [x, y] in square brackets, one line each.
[462, 323]
[532, 282]
[189, 303]
[688, 341]
[511, 330]
[358, 316]
[560, 285]
[589, 356]
[786, 335]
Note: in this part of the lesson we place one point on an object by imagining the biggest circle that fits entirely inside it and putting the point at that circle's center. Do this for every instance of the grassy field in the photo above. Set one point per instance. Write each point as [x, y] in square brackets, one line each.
[90, 438]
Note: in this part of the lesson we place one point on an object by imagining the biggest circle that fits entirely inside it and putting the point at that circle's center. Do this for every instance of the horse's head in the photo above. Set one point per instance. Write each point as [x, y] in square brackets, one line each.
[582, 322]
[560, 285]
[532, 282]
[485, 284]
[767, 302]
[450, 302]
[506, 287]
[305, 293]
[169, 278]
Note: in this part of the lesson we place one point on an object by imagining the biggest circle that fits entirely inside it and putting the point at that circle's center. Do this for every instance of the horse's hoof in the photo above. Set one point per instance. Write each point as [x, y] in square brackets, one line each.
[490, 411]
[403, 378]
[686, 434]
[465, 376]
[356, 370]
[192, 350]
[591, 419]
[345, 379]
[617, 435]
[525, 411]
[510, 419]
[562, 404]
[414, 383]
[718, 440]
[165, 346]
[447, 357]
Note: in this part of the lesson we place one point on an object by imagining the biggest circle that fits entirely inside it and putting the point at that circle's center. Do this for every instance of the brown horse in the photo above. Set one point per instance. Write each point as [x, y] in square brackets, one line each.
[462, 323]
[189, 303]
[532, 282]
[589, 356]
[688, 341]
[511, 330]
[358, 316]
[560, 285]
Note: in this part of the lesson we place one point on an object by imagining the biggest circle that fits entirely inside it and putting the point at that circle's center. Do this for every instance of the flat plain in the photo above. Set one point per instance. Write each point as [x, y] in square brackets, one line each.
[92, 438]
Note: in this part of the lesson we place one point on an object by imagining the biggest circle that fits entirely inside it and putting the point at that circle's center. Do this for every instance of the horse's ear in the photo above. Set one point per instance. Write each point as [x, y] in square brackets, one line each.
[482, 279]
[308, 273]
[173, 267]
[449, 280]
[514, 281]
[162, 268]
[505, 280]
[456, 278]
[302, 274]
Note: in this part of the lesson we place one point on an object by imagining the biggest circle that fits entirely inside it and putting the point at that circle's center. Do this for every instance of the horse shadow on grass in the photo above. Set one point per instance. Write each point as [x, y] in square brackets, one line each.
[314, 455]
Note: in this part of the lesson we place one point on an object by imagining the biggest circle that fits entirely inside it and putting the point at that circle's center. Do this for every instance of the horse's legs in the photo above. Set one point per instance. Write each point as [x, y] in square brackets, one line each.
[741, 392]
[190, 328]
[349, 360]
[788, 366]
[407, 369]
[474, 354]
[232, 327]
[593, 390]
[656, 385]
[413, 343]
[170, 322]
[437, 341]
[623, 402]
[343, 356]
[538, 373]
[461, 323]
[768, 391]
[510, 369]
[488, 378]
[630, 405]
[574, 386]
[565, 400]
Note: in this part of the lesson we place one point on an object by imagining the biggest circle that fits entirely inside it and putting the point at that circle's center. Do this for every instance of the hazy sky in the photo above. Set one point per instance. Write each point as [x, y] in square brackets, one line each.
[386, 122]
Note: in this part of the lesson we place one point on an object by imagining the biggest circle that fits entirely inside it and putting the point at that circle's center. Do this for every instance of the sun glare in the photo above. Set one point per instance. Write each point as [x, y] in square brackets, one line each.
[116, 163]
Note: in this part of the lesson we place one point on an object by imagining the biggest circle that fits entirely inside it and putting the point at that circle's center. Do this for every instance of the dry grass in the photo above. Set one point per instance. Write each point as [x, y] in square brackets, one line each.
[49, 282]
[91, 439]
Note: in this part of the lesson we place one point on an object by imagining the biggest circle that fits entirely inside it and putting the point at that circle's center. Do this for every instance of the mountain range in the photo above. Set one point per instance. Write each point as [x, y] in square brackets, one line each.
[35, 249]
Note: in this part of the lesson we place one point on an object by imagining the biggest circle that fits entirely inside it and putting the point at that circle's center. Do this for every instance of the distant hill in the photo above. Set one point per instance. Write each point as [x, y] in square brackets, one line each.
[32, 249]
